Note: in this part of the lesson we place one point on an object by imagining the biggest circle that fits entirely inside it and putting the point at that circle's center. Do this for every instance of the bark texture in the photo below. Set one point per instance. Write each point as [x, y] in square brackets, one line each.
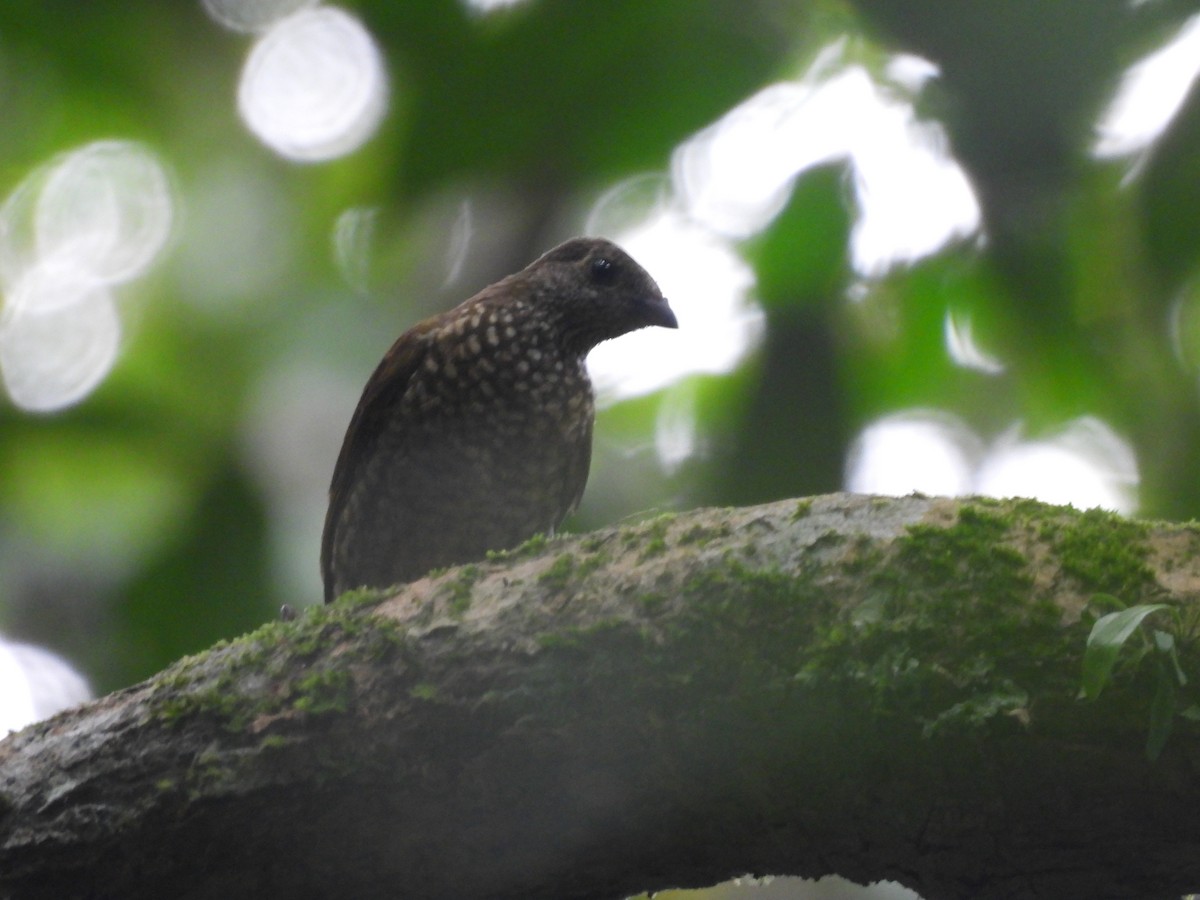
[877, 688]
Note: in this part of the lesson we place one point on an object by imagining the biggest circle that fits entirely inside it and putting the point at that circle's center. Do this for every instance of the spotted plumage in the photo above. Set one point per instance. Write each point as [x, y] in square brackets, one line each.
[475, 431]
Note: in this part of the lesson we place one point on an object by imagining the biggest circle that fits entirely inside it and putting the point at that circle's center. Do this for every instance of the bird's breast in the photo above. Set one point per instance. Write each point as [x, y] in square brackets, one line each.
[514, 379]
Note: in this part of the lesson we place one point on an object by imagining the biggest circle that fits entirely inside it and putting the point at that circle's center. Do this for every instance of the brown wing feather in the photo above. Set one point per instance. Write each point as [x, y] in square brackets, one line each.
[384, 389]
[577, 475]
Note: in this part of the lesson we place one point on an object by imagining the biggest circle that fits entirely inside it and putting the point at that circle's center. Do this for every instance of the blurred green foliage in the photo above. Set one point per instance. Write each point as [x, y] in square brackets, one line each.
[134, 528]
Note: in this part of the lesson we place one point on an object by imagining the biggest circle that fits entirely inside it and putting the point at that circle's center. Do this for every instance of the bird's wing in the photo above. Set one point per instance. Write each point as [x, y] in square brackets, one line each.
[577, 475]
[384, 389]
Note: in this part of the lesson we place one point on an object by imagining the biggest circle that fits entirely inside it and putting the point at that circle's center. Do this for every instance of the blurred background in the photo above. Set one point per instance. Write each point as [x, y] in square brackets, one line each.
[952, 248]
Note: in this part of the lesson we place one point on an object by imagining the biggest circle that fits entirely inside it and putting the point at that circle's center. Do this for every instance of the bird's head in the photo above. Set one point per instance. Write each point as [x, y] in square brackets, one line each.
[594, 291]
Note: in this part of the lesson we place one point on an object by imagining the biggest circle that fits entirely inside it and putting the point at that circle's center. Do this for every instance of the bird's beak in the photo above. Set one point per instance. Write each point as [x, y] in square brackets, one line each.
[656, 311]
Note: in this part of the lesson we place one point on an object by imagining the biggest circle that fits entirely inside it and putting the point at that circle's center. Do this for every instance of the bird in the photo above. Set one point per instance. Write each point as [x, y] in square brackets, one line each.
[474, 433]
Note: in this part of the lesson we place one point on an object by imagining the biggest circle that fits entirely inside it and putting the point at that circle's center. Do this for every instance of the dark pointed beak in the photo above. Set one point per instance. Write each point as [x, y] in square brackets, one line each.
[656, 311]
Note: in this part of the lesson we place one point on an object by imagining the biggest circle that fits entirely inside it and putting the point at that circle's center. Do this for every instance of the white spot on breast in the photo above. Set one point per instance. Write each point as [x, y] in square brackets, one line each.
[431, 364]
[493, 339]
[473, 344]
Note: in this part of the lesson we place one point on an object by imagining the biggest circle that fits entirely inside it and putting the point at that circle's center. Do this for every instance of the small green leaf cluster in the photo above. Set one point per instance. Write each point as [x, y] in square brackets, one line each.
[1126, 630]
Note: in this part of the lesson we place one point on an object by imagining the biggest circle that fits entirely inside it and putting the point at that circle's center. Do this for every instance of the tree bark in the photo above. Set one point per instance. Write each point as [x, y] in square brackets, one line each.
[877, 688]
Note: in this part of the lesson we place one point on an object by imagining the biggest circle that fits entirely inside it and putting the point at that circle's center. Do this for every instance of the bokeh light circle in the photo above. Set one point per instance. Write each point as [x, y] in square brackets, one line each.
[54, 355]
[915, 450]
[314, 86]
[35, 684]
[253, 15]
[72, 229]
[105, 211]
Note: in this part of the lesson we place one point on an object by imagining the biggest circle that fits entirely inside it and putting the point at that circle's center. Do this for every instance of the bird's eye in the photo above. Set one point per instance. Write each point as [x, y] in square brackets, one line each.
[603, 270]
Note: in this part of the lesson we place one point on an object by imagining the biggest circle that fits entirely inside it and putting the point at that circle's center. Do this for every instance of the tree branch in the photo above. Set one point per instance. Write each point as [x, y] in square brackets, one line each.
[870, 687]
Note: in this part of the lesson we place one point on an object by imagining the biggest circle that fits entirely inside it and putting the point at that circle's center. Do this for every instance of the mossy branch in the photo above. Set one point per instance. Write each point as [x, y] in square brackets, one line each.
[879, 688]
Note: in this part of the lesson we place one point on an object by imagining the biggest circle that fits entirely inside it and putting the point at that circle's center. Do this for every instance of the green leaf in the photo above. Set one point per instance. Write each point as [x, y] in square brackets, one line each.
[1108, 635]
[1162, 713]
[1165, 644]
